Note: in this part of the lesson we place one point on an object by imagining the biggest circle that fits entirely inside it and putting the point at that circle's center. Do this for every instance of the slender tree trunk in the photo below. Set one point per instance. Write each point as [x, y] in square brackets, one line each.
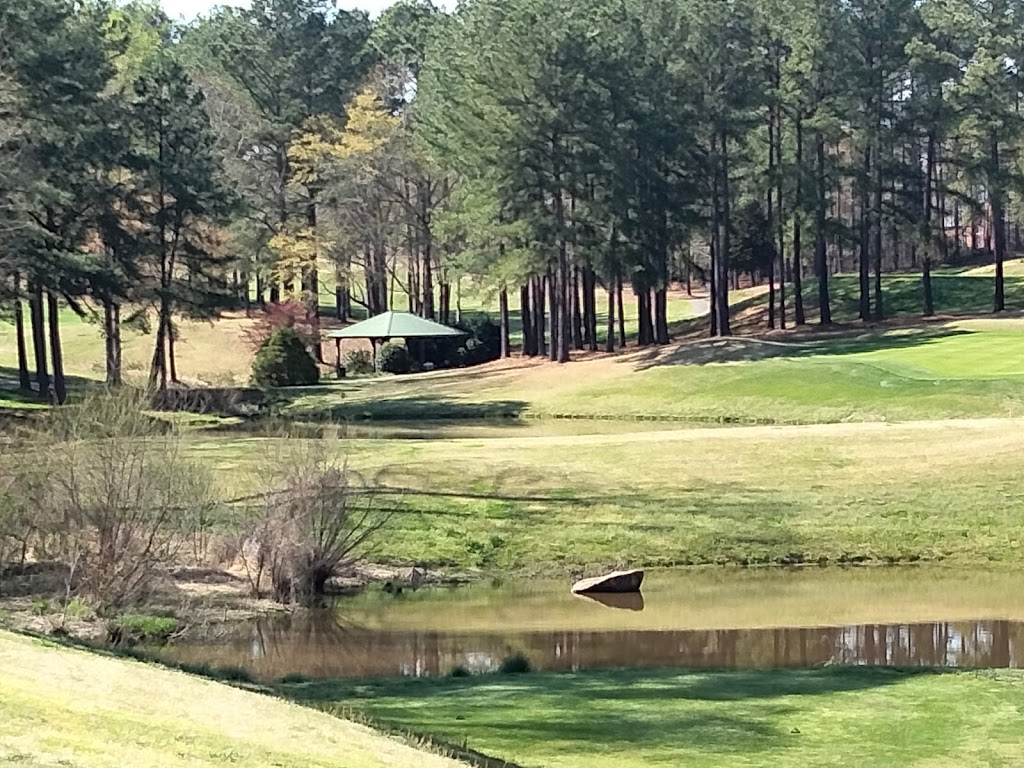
[427, 247]
[539, 303]
[820, 255]
[112, 339]
[60, 391]
[526, 320]
[445, 296]
[779, 193]
[260, 290]
[957, 231]
[800, 318]
[771, 214]
[172, 360]
[998, 223]
[645, 330]
[926, 285]
[865, 242]
[661, 316]
[876, 223]
[37, 318]
[553, 294]
[577, 313]
[621, 313]
[609, 342]
[591, 293]
[24, 377]
[725, 223]
[506, 347]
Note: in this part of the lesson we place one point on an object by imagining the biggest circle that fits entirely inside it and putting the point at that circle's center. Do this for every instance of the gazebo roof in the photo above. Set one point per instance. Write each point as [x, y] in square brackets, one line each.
[396, 325]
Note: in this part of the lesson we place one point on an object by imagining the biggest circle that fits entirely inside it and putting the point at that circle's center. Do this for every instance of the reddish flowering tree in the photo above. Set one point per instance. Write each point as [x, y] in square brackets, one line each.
[287, 314]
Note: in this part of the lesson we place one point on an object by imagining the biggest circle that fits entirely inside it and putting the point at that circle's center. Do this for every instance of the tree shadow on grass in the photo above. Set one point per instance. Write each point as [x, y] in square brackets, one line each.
[9, 384]
[413, 408]
[599, 712]
[742, 349]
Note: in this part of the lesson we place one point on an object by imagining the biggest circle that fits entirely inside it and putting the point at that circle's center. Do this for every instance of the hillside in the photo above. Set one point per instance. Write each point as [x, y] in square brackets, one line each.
[68, 707]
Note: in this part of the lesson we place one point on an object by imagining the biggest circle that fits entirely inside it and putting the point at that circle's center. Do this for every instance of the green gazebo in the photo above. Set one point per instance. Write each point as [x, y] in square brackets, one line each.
[392, 325]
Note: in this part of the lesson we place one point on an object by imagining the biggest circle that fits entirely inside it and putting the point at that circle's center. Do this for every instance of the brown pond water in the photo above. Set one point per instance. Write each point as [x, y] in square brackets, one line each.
[687, 619]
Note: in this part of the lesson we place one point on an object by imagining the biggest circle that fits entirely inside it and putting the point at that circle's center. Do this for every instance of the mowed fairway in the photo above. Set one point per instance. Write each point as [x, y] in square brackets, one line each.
[887, 446]
[955, 369]
[868, 718]
[950, 490]
[70, 707]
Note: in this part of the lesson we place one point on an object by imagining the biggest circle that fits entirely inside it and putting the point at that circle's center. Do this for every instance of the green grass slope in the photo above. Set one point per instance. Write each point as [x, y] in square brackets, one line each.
[950, 491]
[869, 718]
[73, 708]
[954, 369]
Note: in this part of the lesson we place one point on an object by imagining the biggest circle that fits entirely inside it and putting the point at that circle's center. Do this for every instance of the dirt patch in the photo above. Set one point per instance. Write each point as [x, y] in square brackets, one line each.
[204, 600]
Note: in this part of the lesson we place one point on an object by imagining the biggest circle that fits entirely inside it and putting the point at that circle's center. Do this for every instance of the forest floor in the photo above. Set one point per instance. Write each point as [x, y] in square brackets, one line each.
[870, 718]
[61, 706]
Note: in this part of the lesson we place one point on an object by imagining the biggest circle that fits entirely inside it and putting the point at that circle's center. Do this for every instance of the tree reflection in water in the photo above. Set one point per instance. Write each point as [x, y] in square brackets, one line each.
[324, 645]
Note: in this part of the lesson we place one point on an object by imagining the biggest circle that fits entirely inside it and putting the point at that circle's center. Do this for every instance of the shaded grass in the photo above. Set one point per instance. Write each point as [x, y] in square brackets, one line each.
[823, 717]
[67, 707]
[838, 493]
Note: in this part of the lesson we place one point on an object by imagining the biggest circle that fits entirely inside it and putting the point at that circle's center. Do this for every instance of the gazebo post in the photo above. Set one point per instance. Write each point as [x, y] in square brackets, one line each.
[337, 359]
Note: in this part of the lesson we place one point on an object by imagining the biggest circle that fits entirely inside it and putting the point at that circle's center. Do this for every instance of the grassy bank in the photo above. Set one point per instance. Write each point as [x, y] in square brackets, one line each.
[953, 369]
[824, 717]
[948, 490]
[68, 707]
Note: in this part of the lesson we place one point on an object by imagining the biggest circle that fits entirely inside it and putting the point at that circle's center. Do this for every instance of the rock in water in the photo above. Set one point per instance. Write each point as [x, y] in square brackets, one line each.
[618, 582]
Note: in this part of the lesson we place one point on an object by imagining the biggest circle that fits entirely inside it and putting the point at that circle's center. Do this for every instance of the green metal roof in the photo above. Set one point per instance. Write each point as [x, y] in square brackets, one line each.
[396, 325]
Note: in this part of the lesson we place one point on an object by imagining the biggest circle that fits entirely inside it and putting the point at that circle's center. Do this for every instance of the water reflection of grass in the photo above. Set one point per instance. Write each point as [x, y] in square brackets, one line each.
[860, 717]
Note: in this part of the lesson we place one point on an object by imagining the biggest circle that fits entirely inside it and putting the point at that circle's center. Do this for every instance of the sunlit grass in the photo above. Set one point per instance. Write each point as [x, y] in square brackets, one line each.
[889, 493]
[69, 707]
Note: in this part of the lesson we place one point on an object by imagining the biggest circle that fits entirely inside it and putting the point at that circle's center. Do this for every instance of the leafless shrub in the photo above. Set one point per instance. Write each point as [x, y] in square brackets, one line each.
[311, 520]
[23, 490]
[122, 496]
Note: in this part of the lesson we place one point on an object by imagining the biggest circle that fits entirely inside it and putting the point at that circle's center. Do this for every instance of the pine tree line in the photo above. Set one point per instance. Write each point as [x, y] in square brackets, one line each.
[568, 158]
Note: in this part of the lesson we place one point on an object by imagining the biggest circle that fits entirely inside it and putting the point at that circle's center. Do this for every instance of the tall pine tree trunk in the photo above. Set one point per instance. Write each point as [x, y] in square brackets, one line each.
[661, 316]
[427, 250]
[722, 279]
[820, 255]
[590, 304]
[876, 223]
[37, 317]
[539, 307]
[506, 347]
[577, 309]
[998, 222]
[24, 377]
[552, 291]
[864, 261]
[926, 286]
[112, 340]
[529, 348]
[800, 317]
[609, 342]
[172, 360]
[60, 391]
[621, 313]
[771, 214]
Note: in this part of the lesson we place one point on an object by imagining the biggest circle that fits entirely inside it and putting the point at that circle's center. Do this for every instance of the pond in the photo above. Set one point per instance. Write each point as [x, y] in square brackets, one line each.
[685, 618]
